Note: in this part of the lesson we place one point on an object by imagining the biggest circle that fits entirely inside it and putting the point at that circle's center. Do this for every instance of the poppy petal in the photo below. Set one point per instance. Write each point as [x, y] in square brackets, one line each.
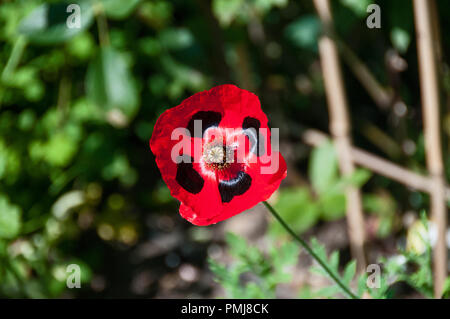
[215, 191]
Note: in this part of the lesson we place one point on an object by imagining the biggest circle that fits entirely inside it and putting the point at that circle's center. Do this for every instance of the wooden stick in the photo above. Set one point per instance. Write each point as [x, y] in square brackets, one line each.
[436, 30]
[430, 108]
[379, 165]
[340, 127]
[381, 95]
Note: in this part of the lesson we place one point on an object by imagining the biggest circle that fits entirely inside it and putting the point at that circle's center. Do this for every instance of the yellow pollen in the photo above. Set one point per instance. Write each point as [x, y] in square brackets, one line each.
[217, 156]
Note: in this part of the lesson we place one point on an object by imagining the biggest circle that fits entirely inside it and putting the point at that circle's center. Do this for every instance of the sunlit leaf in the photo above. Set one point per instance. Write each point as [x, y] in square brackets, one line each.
[400, 39]
[10, 220]
[119, 9]
[304, 32]
[297, 208]
[359, 177]
[47, 24]
[332, 205]
[323, 167]
[111, 85]
[227, 10]
[176, 38]
[349, 272]
[359, 7]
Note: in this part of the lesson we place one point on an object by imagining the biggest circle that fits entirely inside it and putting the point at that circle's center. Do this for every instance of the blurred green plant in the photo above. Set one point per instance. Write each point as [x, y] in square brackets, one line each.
[243, 11]
[302, 207]
[254, 274]
[412, 265]
[74, 130]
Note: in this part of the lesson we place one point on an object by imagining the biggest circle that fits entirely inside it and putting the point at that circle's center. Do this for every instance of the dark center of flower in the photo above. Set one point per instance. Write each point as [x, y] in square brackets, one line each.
[217, 156]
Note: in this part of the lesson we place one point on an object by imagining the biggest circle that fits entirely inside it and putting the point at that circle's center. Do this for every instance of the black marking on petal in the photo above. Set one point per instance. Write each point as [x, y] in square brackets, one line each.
[251, 122]
[251, 129]
[236, 186]
[188, 177]
[208, 118]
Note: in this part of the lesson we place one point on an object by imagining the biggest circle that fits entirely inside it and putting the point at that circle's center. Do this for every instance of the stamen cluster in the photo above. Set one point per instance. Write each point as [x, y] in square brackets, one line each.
[217, 156]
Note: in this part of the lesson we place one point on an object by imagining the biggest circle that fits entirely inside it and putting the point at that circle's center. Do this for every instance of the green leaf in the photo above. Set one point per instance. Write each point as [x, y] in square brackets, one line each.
[380, 204]
[119, 9]
[264, 272]
[240, 249]
[359, 7]
[400, 39]
[285, 255]
[362, 284]
[60, 149]
[237, 244]
[57, 151]
[157, 13]
[304, 32]
[254, 291]
[298, 209]
[9, 162]
[329, 292]
[227, 10]
[446, 290]
[319, 271]
[359, 177]
[220, 271]
[111, 85]
[318, 249]
[323, 167]
[384, 206]
[306, 293]
[176, 39]
[349, 272]
[400, 16]
[10, 221]
[332, 205]
[47, 24]
[334, 260]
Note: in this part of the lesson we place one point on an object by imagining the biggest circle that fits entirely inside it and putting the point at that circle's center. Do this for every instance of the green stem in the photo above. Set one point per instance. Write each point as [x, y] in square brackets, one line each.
[311, 252]
[14, 58]
[102, 24]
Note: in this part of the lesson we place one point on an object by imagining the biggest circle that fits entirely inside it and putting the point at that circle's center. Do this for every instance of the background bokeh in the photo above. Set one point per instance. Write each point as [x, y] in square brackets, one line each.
[78, 183]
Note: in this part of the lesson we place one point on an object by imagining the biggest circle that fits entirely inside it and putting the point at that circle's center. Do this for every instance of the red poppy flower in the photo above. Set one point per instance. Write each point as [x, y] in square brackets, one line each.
[215, 155]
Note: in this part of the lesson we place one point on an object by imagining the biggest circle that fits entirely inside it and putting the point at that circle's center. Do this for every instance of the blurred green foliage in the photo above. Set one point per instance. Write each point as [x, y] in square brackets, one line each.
[71, 138]
[302, 206]
[254, 274]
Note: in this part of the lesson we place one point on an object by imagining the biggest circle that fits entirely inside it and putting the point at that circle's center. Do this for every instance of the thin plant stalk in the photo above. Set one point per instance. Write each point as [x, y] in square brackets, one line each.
[14, 59]
[381, 95]
[102, 24]
[429, 85]
[306, 246]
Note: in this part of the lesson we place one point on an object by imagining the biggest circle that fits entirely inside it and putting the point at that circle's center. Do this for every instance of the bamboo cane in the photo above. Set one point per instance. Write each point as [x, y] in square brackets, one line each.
[379, 165]
[430, 108]
[340, 127]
